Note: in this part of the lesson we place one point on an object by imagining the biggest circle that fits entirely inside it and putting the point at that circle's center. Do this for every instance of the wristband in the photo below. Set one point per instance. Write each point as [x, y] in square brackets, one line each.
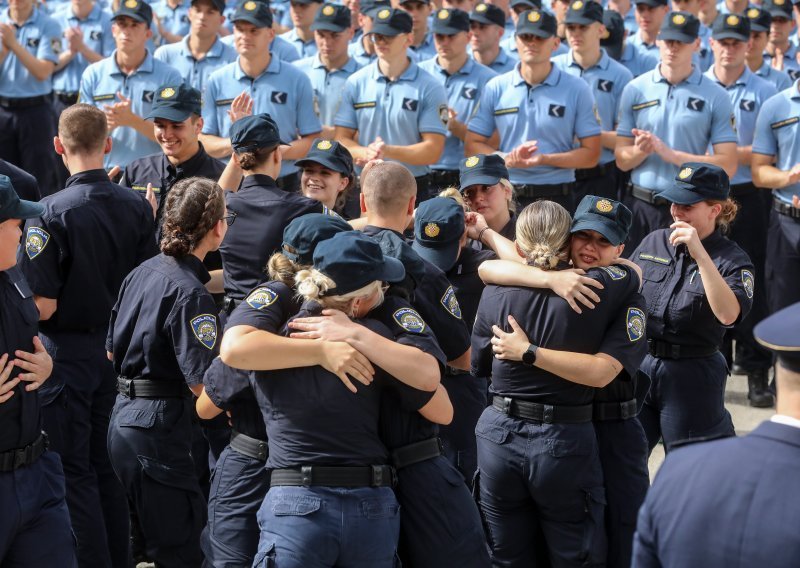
[480, 234]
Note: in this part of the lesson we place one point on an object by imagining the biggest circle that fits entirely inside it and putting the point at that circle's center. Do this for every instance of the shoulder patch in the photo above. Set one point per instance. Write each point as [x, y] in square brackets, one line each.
[35, 241]
[261, 297]
[648, 104]
[615, 272]
[748, 282]
[204, 327]
[502, 111]
[653, 258]
[635, 324]
[450, 302]
[409, 320]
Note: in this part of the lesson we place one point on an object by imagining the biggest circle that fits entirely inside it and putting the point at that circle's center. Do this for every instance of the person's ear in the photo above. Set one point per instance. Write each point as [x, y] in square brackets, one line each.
[58, 146]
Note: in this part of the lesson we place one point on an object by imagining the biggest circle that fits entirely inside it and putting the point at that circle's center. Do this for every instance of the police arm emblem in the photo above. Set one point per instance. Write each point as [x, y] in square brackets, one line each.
[635, 324]
[748, 282]
[35, 241]
[204, 328]
[450, 303]
[261, 297]
[409, 320]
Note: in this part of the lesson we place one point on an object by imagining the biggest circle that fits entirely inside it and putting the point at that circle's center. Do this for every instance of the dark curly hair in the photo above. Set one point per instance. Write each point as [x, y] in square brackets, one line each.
[194, 205]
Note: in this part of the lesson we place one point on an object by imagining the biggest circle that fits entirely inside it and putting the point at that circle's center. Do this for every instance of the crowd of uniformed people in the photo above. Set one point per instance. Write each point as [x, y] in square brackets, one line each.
[367, 284]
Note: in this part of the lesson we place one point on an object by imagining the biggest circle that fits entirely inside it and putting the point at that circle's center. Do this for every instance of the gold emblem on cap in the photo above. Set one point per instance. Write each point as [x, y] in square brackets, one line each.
[131, 3]
[328, 11]
[577, 5]
[383, 14]
[443, 14]
[678, 19]
[604, 206]
[779, 2]
[753, 13]
[472, 161]
[481, 8]
[167, 93]
[250, 6]
[534, 17]
[431, 230]
[685, 173]
[324, 145]
[732, 20]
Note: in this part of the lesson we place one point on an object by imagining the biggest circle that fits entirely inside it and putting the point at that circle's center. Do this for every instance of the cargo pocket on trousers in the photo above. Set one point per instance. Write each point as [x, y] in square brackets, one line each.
[594, 545]
[295, 506]
[265, 557]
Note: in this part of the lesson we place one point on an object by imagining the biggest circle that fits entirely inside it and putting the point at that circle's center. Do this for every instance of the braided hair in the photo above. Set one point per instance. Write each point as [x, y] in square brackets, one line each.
[194, 205]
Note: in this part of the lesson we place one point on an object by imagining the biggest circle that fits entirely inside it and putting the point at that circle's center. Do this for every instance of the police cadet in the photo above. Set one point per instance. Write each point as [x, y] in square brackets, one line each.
[776, 166]
[668, 116]
[162, 337]
[75, 256]
[650, 15]
[279, 47]
[330, 68]
[696, 283]
[362, 48]
[328, 174]
[486, 190]
[487, 25]
[463, 80]
[263, 209]
[31, 478]
[30, 42]
[780, 52]
[703, 57]
[391, 109]
[607, 78]
[746, 486]
[760, 22]
[731, 35]
[422, 46]
[301, 36]
[124, 84]
[538, 503]
[172, 19]
[538, 111]
[269, 84]
[202, 51]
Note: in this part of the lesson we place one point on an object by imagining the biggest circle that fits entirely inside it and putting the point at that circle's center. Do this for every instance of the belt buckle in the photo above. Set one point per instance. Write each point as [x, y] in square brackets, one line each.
[262, 451]
[306, 472]
[21, 457]
[127, 387]
[377, 476]
[505, 405]
[548, 412]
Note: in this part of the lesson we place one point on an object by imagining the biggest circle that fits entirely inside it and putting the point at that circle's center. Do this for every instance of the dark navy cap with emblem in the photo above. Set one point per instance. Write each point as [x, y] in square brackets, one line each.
[332, 18]
[12, 207]
[778, 8]
[255, 131]
[614, 35]
[401, 2]
[608, 217]
[527, 4]
[680, 26]
[450, 22]
[780, 333]
[302, 235]
[481, 169]
[760, 19]
[584, 13]
[391, 22]
[370, 7]
[438, 228]
[253, 12]
[731, 26]
[652, 3]
[537, 22]
[352, 260]
[136, 9]
[308, 1]
[696, 182]
[219, 5]
[488, 14]
[175, 103]
[330, 154]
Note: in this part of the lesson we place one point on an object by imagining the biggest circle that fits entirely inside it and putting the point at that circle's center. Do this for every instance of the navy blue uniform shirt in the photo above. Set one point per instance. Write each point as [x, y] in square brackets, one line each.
[24, 183]
[466, 282]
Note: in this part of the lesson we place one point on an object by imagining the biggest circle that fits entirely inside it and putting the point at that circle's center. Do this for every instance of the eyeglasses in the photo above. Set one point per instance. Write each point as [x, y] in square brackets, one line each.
[229, 218]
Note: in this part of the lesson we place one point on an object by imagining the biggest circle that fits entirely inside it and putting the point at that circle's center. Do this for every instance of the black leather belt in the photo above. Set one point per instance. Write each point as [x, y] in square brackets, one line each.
[445, 178]
[453, 371]
[327, 476]
[24, 102]
[21, 457]
[595, 172]
[144, 388]
[417, 452]
[532, 191]
[647, 195]
[666, 350]
[546, 413]
[785, 208]
[614, 410]
[250, 447]
[66, 98]
[743, 189]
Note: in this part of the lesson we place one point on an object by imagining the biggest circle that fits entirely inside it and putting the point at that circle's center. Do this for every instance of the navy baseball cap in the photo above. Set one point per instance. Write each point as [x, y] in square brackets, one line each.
[352, 260]
[778, 8]
[332, 18]
[308, 1]
[652, 3]
[608, 217]
[584, 13]
[680, 26]
[330, 154]
[302, 235]
[12, 207]
[391, 22]
[488, 14]
[253, 132]
[537, 22]
[369, 7]
[450, 22]
[219, 5]
[780, 333]
[698, 182]
[731, 26]
[175, 103]
[760, 19]
[481, 169]
[438, 228]
[253, 12]
[527, 4]
[614, 35]
[136, 9]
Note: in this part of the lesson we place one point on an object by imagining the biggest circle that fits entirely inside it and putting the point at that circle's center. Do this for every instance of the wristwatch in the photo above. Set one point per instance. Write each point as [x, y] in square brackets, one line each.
[529, 357]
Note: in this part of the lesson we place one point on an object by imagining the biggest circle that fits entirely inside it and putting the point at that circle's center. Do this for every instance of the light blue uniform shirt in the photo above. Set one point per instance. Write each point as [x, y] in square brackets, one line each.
[356, 51]
[503, 63]
[97, 36]
[279, 48]
[425, 50]
[397, 111]
[638, 61]
[304, 48]
[174, 20]
[704, 58]
[328, 86]
[690, 117]
[194, 72]
[554, 113]
[629, 20]
[778, 134]
[40, 35]
[747, 95]
[779, 79]
[790, 65]
[463, 93]
[281, 90]
[606, 79]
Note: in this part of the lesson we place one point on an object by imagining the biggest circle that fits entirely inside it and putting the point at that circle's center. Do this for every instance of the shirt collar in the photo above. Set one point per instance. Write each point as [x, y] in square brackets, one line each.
[194, 264]
[602, 63]
[88, 176]
[552, 78]
[214, 51]
[694, 77]
[786, 420]
[316, 63]
[426, 41]
[259, 180]
[93, 15]
[187, 168]
[410, 74]
[466, 69]
[273, 67]
[743, 79]
[145, 67]
[32, 19]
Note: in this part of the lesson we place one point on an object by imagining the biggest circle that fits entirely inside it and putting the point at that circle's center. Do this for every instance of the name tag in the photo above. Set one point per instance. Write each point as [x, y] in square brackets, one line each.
[648, 104]
[365, 104]
[502, 111]
[653, 258]
[785, 122]
[98, 98]
[223, 102]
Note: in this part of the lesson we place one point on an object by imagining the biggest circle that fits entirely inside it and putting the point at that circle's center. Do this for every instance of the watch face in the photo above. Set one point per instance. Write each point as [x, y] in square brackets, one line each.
[529, 357]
